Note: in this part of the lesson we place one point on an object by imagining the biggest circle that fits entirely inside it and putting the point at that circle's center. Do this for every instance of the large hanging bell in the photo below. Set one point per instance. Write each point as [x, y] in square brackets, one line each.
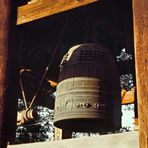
[88, 93]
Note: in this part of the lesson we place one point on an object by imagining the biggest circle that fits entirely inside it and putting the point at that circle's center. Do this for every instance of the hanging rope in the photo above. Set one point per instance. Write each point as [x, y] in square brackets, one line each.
[49, 64]
[22, 88]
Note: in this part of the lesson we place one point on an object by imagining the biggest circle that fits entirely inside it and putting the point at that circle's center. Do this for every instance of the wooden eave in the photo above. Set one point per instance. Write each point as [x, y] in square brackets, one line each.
[44, 8]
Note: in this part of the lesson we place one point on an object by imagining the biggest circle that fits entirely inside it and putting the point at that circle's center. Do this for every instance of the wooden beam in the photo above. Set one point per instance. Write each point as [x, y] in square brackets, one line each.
[128, 97]
[120, 140]
[8, 72]
[140, 14]
[44, 8]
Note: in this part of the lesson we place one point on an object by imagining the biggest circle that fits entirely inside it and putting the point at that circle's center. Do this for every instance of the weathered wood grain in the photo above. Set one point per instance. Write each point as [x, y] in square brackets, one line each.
[44, 8]
[140, 14]
[8, 74]
[4, 16]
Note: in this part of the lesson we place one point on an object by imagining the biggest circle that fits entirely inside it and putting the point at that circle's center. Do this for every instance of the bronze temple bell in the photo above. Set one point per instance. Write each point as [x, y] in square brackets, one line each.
[88, 93]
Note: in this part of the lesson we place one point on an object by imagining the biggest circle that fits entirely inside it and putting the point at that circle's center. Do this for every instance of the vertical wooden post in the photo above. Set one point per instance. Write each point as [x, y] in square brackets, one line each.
[140, 15]
[8, 71]
[62, 134]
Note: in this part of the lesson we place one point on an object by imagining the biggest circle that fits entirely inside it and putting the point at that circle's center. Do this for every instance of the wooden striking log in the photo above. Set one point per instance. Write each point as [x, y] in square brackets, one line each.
[140, 14]
[8, 71]
[44, 8]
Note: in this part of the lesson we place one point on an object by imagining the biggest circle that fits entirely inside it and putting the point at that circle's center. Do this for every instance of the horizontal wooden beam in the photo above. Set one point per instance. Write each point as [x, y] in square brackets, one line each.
[44, 8]
[122, 140]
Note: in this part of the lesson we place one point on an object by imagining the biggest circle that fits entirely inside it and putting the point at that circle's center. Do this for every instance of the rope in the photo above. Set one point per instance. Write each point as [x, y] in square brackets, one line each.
[49, 64]
[22, 88]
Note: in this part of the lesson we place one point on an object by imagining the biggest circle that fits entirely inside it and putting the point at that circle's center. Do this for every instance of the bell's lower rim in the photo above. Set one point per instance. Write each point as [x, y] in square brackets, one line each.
[87, 125]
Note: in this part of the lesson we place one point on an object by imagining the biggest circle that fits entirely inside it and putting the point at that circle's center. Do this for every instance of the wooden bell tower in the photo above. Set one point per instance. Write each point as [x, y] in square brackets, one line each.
[9, 57]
